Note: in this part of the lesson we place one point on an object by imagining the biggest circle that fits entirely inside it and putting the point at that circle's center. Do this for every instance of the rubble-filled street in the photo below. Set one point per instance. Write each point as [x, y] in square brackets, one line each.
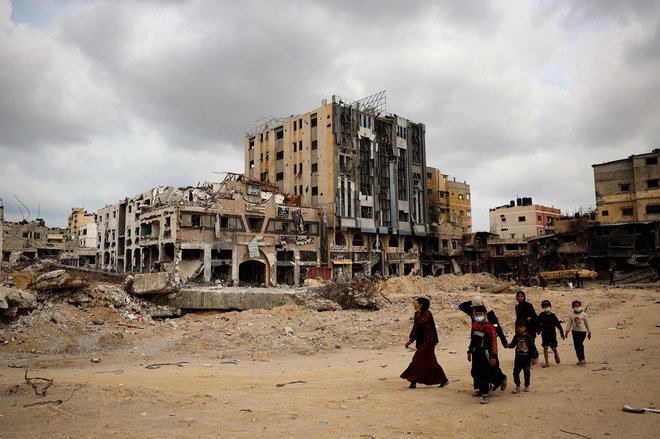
[92, 360]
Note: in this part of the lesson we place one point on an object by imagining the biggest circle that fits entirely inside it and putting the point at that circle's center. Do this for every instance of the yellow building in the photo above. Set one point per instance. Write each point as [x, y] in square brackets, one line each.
[363, 168]
[78, 217]
[449, 200]
[628, 190]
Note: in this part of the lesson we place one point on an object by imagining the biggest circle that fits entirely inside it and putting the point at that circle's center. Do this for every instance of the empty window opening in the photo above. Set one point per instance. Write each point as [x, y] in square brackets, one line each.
[652, 183]
[255, 223]
[627, 211]
[393, 243]
[279, 134]
[340, 239]
[252, 273]
[358, 241]
[651, 160]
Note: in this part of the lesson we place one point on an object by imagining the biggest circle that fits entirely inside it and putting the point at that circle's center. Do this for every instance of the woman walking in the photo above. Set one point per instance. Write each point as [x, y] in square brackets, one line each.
[525, 311]
[424, 367]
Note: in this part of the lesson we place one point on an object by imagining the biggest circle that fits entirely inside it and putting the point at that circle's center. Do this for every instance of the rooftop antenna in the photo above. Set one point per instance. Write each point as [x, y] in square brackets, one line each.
[21, 210]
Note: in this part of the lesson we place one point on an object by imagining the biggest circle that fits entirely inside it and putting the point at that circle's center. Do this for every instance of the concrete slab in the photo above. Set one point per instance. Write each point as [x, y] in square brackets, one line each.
[152, 283]
[228, 298]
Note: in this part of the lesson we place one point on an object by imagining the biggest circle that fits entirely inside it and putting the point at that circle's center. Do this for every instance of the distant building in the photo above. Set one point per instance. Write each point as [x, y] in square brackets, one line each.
[522, 219]
[239, 230]
[363, 168]
[449, 201]
[628, 190]
[31, 241]
[77, 218]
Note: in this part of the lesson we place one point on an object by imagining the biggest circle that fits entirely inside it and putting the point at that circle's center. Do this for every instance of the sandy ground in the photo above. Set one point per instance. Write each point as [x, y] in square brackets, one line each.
[343, 368]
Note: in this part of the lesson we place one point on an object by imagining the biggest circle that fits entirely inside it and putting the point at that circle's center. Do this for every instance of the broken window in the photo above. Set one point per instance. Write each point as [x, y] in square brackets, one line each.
[606, 213]
[315, 167]
[652, 183]
[145, 230]
[404, 216]
[281, 226]
[627, 211]
[285, 256]
[394, 242]
[653, 208]
[255, 223]
[521, 219]
[651, 160]
[311, 228]
[315, 191]
[295, 146]
[279, 134]
[251, 166]
[315, 145]
[264, 176]
[279, 176]
[367, 212]
[279, 155]
[402, 176]
[358, 241]
[313, 120]
[295, 125]
[307, 255]
[196, 220]
[624, 187]
[231, 223]
[252, 143]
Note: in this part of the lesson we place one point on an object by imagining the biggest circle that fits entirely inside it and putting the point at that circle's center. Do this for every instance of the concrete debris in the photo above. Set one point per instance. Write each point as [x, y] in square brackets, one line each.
[57, 280]
[13, 301]
[152, 283]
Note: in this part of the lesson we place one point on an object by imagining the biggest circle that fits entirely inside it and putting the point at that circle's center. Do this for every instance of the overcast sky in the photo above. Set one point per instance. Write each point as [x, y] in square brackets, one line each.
[100, 100]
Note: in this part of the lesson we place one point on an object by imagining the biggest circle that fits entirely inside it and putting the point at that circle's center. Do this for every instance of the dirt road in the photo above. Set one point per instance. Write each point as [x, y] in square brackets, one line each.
[344, 385]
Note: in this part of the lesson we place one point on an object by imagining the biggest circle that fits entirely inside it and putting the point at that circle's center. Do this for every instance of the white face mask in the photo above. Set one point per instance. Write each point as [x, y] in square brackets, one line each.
[546, 309]
[578, 309]
[479, 319]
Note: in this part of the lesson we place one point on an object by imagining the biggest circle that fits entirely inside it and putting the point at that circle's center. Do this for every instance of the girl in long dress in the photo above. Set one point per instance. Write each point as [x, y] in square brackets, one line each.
[424, 367]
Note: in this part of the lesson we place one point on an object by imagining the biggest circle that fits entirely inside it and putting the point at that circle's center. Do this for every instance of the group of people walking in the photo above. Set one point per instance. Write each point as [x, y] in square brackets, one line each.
[483, 349]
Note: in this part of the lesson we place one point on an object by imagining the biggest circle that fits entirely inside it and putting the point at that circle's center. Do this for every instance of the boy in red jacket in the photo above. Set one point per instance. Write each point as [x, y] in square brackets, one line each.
[482, 352]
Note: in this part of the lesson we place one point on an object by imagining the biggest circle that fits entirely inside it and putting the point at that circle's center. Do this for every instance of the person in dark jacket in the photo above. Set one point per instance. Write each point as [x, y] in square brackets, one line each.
[526, 355]
[525, 311]
[497, 377]
[482, 352]
[548, 325]
[424, 367]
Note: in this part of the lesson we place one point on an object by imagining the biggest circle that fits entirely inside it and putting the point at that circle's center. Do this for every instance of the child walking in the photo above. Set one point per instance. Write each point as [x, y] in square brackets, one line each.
[526, 355]
[578, 324]
[482, 352]
[548, 321]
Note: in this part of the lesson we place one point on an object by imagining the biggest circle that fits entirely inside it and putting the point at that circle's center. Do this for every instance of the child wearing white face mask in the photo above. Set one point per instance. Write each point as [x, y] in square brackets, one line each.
[578, 324]
[547, 324]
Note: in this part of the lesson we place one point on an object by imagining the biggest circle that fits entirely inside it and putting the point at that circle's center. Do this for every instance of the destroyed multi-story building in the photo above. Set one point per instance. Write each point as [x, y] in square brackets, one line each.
[450, 214]
[31, 240]
[627, 237]
[240, 230]
[449, 200]
[628, 190]
[363, 168]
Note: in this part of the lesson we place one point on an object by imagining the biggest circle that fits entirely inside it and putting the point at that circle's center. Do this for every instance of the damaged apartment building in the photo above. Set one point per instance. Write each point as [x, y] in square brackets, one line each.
[450, 215]
[626, 238]
[363, 169]
[237, 231]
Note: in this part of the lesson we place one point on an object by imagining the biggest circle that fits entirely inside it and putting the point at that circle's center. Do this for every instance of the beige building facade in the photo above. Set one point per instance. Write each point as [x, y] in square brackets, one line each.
[628, 190]
[522, 219]
[77, 218]
[363, 168]
[449, 200]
